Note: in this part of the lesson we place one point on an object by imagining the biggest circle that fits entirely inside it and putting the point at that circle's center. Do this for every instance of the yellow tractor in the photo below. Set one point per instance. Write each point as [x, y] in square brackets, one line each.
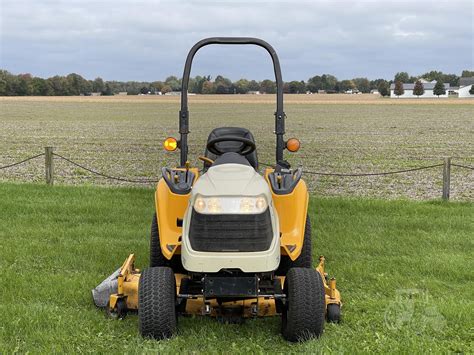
[227, 241]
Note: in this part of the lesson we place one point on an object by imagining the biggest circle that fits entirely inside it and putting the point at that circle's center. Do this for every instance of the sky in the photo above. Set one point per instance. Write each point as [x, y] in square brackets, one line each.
[149, 40]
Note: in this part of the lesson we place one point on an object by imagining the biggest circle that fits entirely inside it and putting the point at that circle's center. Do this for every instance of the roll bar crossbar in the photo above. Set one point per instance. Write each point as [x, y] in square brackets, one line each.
[184, 112]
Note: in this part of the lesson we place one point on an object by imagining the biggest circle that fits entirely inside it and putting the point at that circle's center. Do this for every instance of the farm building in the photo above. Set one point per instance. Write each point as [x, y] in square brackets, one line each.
[453, 90]
[465, 84]
[427, 85]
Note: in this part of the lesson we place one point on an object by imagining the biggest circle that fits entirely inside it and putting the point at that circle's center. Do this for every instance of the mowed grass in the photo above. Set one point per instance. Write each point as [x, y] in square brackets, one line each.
[404, 269]
[122, 136]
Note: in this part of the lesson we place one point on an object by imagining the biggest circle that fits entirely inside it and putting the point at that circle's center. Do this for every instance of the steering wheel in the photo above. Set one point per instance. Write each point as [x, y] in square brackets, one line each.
[248, 146]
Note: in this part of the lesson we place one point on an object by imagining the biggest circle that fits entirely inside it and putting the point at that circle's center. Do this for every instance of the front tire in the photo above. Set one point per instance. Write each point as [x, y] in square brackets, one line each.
[303, 313]
[157, 303]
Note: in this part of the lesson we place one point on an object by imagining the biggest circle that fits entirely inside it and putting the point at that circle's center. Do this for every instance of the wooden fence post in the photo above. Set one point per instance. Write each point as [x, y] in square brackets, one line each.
[446, 178]
[49, 165]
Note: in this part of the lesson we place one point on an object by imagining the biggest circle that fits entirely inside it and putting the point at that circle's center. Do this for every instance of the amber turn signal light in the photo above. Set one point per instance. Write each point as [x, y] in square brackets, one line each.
[170, 144]
[293, 145]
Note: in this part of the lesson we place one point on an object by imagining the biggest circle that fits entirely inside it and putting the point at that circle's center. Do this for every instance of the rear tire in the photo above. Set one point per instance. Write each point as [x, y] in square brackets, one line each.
[157, 302]
[156, 255]
[305, 259]
[303, 313]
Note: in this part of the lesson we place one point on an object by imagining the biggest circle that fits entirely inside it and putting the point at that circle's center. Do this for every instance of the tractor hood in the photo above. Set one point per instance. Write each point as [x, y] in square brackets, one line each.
[231, 180]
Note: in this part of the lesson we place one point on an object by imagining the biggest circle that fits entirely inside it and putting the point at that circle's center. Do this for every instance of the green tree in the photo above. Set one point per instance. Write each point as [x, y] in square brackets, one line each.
[328, 82]
[165, 89]
[77, 84]
[345, 85]
[296, 87]
[222, 85]
[314, 83]
[254, 86]
[107, 90]
[402, 76]
[384, 88]
[156, 86]
[173, 82]
[7, 83]
[268, 87]
[208, 87]
[418, 89]
[467, 73]
[398, 90]
[452, 79]
[374, 84]
[433, 75]
[198, 83]
[241, 86]
[439, 88]
[58, 85]
[22, 86]
[39, 87]
[98, 85]
[362, 84]
[3, 83]
[471, 91]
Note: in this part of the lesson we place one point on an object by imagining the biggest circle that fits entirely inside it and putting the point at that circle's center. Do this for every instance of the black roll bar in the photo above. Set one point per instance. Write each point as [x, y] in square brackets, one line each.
[184, 113]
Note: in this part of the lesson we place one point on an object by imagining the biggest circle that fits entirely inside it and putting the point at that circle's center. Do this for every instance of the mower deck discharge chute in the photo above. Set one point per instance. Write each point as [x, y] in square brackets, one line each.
[227, 241]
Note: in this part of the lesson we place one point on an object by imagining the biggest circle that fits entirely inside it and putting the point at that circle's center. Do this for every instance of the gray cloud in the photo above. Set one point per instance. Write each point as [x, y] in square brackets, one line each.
[148, 40]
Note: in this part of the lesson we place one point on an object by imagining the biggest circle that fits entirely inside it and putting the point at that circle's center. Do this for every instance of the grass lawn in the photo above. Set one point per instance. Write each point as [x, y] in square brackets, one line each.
[404, 269]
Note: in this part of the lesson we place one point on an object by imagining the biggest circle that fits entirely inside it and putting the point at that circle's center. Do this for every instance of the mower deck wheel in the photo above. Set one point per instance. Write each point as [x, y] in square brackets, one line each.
[156, 303]
[120, 310]
[333, 313]
[303, 313]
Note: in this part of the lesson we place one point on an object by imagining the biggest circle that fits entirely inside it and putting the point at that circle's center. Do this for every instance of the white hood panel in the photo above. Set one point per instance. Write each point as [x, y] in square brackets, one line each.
[231, 180]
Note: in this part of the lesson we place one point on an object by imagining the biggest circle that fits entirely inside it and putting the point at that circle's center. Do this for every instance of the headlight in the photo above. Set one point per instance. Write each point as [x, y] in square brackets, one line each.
[230, 205]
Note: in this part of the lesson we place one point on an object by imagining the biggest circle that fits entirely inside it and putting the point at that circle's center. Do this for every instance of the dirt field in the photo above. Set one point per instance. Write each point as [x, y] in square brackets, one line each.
[122, 136]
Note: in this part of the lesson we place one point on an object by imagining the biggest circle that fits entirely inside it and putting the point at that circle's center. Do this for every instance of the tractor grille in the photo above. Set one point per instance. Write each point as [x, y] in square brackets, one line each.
[230, 232]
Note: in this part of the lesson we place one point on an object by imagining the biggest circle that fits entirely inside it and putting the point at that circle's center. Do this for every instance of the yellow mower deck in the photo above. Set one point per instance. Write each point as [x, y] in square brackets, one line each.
[129, 277]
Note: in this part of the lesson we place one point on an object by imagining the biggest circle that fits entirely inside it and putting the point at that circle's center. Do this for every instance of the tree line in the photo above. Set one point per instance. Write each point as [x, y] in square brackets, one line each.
[439, 77]
[419, 89]
[74, 84]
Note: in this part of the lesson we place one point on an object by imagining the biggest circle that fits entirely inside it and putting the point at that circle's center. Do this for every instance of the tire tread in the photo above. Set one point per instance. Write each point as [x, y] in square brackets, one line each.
[156, 303]
[304, 313]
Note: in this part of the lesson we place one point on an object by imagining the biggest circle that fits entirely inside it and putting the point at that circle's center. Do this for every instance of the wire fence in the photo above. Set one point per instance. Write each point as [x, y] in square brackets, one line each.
[462, 166]
[372, 174]
[22, 161]
[95, 172]
[49, 154]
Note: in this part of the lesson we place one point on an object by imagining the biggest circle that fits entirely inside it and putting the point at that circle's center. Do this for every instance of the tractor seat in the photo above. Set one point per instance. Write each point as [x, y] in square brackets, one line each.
[231, 158]
[231, 147]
